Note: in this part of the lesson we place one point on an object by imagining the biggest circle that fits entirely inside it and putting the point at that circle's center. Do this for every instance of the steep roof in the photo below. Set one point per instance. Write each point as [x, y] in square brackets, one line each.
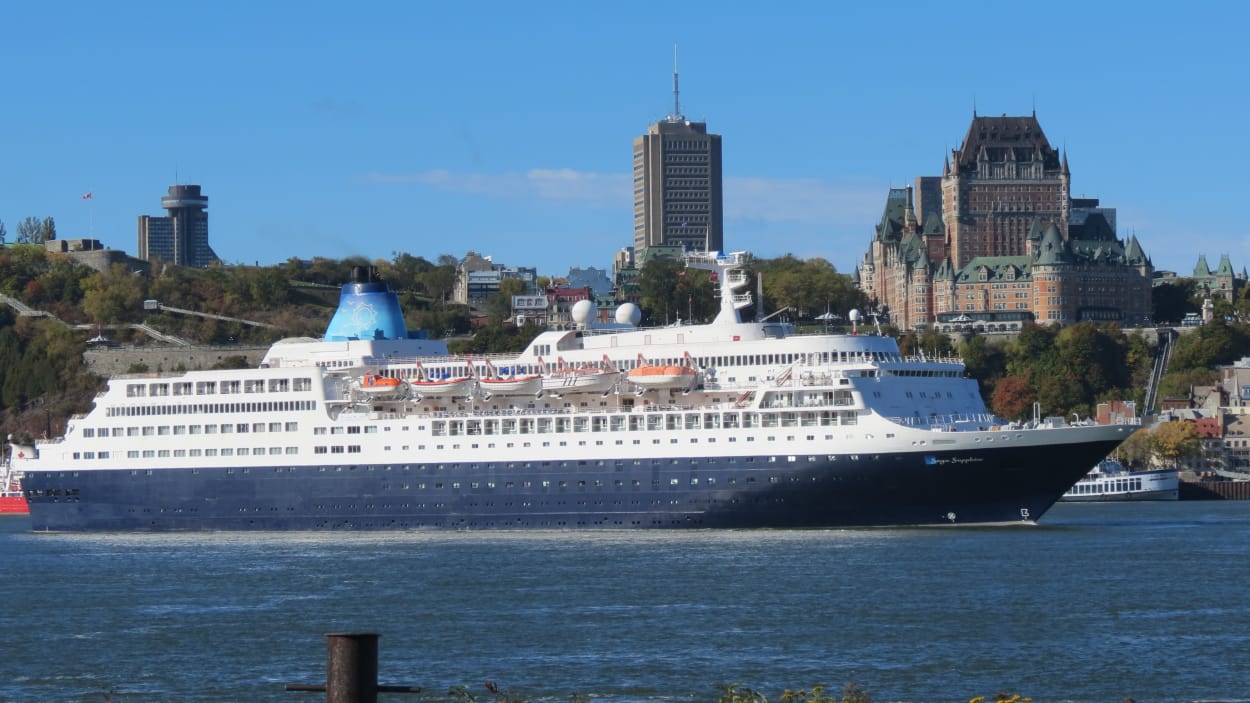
[893, 217]
[1225, 268]
[1004, 138]
[997, 268]
[1201, 269]
[1052, 249]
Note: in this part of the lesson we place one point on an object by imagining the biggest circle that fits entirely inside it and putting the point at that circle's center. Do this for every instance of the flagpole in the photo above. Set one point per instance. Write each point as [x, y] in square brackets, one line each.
[88, 196]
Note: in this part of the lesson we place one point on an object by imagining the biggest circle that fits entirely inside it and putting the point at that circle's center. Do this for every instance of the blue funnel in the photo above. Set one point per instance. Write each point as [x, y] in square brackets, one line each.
[367, 310]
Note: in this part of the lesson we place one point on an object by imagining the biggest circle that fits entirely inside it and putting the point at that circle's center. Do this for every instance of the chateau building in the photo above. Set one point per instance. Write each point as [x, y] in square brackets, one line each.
[998, 240]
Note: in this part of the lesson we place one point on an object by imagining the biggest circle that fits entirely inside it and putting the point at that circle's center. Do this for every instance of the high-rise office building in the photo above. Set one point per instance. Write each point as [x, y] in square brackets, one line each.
[677, 184]
[181, 237]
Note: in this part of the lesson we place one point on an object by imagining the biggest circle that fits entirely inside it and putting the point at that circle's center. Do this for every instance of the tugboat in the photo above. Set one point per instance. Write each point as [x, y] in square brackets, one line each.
[12, 499]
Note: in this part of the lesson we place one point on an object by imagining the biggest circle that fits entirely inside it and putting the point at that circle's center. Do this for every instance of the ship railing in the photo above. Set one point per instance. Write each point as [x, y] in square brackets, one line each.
[952, 422]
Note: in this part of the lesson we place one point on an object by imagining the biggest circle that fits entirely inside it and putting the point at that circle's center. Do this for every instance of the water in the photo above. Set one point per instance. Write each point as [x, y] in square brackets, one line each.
[1100, 602]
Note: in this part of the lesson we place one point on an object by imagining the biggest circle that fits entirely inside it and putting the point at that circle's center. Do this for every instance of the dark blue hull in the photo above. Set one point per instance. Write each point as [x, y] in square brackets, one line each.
[994, 485]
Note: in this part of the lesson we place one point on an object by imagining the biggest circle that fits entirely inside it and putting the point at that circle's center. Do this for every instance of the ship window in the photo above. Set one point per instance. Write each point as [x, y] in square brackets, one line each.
[229, 387]
[149, 431]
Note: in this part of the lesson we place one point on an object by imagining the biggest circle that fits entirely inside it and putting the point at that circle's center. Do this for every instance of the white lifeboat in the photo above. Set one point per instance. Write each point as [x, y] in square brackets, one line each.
[507, 382]
[430, 384]
[593, 378]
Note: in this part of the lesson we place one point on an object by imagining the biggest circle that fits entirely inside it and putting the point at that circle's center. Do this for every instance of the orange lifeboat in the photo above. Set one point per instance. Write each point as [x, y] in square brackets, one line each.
[648, 375]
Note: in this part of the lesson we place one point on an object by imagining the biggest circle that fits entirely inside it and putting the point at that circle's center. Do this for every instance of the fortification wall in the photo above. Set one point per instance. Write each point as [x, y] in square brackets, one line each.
[111, 361]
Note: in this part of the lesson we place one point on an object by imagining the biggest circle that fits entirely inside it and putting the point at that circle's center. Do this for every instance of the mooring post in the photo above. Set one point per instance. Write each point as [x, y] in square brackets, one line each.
[352, 670]
[352, 667]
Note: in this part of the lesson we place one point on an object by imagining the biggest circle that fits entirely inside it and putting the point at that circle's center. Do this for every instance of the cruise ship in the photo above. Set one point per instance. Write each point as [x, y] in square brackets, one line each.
[729, 424]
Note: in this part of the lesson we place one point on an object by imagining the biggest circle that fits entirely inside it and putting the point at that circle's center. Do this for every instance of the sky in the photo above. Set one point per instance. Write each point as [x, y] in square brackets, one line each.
[506, 128]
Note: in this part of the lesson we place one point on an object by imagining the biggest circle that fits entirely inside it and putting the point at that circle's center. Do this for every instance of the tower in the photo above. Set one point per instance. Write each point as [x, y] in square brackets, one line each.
[1003, 184]
[181, 237]
[677, 184]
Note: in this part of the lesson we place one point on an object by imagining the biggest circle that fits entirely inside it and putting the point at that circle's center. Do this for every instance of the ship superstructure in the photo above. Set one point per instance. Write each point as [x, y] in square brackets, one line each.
[726, 424]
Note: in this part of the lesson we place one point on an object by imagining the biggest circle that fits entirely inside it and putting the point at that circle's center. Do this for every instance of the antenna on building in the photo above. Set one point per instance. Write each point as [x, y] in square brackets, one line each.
[676, 93]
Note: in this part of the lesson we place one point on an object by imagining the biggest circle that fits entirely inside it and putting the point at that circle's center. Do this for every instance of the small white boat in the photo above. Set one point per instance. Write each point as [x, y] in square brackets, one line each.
[565, 379]
[1110, 481]
[430, 384]
[658, 376]
[507, 382]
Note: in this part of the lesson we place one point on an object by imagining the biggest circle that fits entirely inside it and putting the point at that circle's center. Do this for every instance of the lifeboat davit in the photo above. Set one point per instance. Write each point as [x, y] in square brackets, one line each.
[648, 375]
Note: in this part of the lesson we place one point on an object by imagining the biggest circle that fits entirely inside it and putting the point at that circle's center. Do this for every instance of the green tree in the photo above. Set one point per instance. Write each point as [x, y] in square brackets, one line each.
[47, 230]
[1170, 301]
[438, 282]
[29, 230]
[984, 361]
[1136, 451]
[112, 296]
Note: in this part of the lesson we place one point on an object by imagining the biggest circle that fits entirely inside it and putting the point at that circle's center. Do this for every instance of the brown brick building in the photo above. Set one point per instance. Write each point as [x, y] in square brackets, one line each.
[1006, 243]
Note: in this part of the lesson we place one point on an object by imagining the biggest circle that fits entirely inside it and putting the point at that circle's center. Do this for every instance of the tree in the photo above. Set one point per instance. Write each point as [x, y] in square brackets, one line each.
[1013, 398]
[28, 231]
[113, 295]
[1172, 300]
[1136, 451]
[47, 230]
[1176, 440]
[984, 361]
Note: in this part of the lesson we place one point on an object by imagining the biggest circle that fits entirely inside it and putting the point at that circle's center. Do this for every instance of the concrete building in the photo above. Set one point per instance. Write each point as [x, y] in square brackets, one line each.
[678, 199]
[478, 277]
[181, 237]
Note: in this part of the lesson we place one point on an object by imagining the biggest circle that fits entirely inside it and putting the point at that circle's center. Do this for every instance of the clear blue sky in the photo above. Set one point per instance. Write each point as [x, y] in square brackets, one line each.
[337, 129]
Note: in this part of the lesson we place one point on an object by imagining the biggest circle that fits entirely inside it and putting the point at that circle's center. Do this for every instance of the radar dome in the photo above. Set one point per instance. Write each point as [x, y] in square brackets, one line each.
[854, 315]
[628, 314]
[583, 312]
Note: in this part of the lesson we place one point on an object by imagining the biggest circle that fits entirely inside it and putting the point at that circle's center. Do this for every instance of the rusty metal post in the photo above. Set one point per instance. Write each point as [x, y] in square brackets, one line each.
[352, 667]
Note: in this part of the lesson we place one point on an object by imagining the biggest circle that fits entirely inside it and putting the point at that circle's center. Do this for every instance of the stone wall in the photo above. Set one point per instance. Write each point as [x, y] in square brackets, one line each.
[112, 361]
